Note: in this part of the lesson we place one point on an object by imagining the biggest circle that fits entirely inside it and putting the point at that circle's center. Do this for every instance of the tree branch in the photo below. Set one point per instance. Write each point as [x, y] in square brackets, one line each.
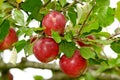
[56, 70]
[26, 63]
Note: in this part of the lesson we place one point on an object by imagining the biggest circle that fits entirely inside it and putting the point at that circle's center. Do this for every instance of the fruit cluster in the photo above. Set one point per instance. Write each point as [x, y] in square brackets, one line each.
[46, 49]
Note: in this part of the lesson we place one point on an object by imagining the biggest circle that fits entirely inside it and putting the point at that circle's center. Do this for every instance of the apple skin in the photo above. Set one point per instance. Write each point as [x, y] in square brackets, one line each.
[45, 49]
[54, 21]
[9, 40]
[73, 66]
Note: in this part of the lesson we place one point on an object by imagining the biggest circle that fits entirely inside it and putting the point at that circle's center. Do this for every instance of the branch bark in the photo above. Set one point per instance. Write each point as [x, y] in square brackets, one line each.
[57, 74]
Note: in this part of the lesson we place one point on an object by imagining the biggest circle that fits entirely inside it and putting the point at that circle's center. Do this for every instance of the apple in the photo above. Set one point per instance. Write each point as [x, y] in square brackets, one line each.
[73, 66]
[82, 44]
[9, 40]
[33, 38]
[10, 76]
[45, 49]
[54, 21]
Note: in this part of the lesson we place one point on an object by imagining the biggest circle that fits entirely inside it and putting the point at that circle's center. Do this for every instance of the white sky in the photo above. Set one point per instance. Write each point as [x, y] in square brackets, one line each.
[28, 73]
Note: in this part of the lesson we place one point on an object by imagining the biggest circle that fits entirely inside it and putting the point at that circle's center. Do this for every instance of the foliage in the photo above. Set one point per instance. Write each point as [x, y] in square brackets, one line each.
[84, 17]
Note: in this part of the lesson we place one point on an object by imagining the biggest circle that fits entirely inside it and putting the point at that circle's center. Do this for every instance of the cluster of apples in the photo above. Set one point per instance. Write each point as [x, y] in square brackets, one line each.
[46, 49]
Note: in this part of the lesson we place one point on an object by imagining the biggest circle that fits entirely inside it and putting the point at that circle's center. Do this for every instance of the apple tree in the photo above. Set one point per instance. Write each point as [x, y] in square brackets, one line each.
[71, 31]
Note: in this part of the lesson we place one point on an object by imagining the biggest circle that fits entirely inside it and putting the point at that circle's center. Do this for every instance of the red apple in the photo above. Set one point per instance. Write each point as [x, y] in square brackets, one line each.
[54, 21]
[9, 40]
[10, 76]
[33, 38]
[46, 49]
[73, 66]
[81, 43]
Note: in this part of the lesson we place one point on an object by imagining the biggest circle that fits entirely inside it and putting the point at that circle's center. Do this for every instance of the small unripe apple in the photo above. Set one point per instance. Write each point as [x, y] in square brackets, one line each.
[73, 66]
[9, 40]
[45, 49]
[54, 21]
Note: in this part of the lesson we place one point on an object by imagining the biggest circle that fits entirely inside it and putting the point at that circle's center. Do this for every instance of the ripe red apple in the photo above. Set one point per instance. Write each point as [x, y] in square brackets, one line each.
[46, 49]
[73, 66]
[82, 44]
[9, 40]
[54, 21]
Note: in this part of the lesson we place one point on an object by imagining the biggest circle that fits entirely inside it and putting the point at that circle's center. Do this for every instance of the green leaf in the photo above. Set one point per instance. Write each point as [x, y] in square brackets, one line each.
[4, 29]
[68, 36]
[62, 2]
[87, 52]
[102, 3]
[115, 46]
[67, 48]
[90, 27]
[25, 30]
[72, 15]
[97, 48]
[28, 48]
[1, 2]
[117, 11]
[30, 5]
[104, 13]
[20, 45]
[19, 17]
[37, 77]
[56, 36]
[113, 62]
[102, 34]
[105, 42]
[33, 7]
[89, 76]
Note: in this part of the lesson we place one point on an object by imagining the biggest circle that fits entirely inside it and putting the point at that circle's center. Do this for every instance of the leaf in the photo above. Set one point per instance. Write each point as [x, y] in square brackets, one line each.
[67, 48]
[20, 45]
[37, 77]
[117, 11]
[28, 48]
[115, 46]
[72, 15]
[90, 27]
[104, 13]
[102, 34]
[105, 42]
[56, 36]
[1, 2]
[89, 76]
[19, 17]
[4, 29]
[33, 7]
[68, 36]
[30, 5]
[25, 30]
[62, 2]
[87, 53]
